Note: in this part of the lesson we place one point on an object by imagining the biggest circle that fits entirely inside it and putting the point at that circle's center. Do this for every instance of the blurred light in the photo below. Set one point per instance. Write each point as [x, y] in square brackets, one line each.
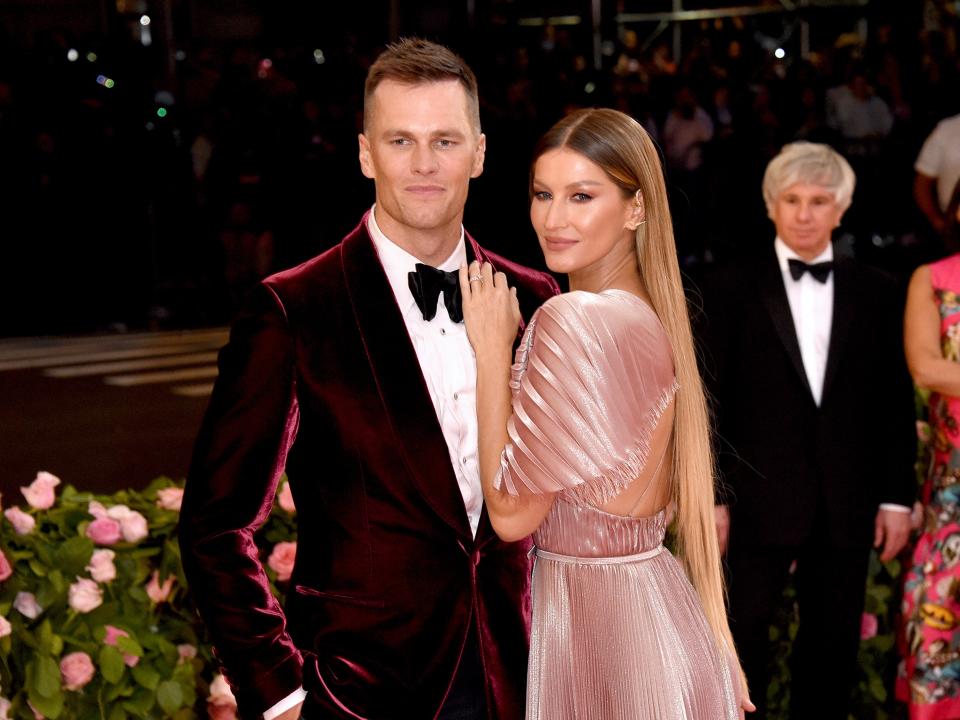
[91, 57]
[101, 79]
[161, 112]
[150, 126]
[590, 87]
[780, 53]
[318, 57]
[266, 63]
[72, 55]
[180, 55]
[264, 70]
[109, 83]
[144, 20]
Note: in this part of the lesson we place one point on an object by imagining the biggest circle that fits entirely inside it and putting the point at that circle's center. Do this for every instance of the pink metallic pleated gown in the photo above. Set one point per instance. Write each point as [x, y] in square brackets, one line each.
[618, 631]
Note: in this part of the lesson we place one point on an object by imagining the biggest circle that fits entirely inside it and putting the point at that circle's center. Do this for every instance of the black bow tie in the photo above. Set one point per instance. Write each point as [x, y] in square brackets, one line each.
[426, 284]
[819, 271]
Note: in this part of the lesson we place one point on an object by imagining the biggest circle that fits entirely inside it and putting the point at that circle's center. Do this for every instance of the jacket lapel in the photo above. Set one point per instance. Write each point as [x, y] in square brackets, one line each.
[400, 380]
[844, 304]
[774, 297]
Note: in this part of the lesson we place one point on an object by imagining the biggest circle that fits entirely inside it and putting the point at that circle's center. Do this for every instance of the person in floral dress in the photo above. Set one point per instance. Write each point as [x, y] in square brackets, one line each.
[929, 676]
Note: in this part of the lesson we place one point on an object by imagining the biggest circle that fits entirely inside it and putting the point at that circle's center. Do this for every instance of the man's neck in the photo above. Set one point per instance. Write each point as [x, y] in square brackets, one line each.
[430, 246]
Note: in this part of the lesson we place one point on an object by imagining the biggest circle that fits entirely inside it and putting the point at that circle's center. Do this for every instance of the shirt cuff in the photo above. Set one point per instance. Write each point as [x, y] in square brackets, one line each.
[896, 507]
[297, 696]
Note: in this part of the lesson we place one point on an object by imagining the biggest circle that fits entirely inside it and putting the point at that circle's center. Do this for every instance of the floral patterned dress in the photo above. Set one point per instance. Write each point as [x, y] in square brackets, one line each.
[929, 677]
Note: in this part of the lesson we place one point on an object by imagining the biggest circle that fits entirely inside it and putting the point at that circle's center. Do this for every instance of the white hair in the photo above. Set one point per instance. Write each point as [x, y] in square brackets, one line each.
[811, 163]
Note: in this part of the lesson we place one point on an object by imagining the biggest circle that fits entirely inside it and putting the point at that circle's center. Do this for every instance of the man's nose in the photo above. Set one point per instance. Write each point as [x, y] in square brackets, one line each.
[424, 160]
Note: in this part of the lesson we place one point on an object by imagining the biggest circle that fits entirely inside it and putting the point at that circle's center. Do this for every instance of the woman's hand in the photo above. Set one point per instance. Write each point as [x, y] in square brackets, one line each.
[491, 311]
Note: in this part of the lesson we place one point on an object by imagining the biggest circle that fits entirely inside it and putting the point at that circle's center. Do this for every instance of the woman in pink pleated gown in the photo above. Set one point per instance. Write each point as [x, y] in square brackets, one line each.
[597, 427]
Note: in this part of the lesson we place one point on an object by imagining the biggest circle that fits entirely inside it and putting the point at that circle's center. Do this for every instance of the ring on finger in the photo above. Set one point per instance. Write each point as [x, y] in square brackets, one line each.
[474, 278]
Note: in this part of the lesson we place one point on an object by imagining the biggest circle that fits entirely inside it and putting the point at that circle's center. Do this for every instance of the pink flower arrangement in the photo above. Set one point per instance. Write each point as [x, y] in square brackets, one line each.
[133, 525]
[285, 498]
[868, 626]
[282, 558]
[76, 670]
[6, 570]
[155, 591]
[5, 627]
[170, 498]
[23, 523]
[221, 704]
[113, 633]
[26, 604]
[101, 567]
[186, 651]
[40, 493]
[85, 595]
[109, 526]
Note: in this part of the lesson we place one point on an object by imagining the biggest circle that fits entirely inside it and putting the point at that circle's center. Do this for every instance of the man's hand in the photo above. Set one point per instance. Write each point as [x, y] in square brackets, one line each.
[891, 530]
[721, 514]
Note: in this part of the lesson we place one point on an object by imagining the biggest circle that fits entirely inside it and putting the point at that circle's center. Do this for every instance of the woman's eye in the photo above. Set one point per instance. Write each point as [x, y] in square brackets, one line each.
[542, 195]
[582, 197]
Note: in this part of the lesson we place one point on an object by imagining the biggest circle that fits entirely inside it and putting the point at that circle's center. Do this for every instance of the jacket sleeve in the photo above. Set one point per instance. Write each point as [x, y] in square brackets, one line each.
[239, 456]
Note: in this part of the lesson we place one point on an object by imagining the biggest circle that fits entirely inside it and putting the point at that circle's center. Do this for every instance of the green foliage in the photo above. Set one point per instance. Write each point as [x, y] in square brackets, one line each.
[158, 663]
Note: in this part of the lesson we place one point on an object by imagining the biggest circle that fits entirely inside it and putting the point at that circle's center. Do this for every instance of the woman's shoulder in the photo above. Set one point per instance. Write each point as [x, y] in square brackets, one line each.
[944, 273]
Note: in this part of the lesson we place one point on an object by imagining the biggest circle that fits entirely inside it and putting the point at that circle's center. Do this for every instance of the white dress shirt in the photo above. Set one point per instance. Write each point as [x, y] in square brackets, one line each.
[450, 370]
[811, 306]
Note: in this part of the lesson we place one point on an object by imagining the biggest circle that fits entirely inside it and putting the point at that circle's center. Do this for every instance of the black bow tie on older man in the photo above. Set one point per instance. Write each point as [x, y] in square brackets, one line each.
[819, 271]
[426, 283]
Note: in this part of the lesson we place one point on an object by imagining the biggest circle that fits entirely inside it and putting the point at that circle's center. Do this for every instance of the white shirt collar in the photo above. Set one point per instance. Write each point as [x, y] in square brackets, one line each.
[398, 263]
[785, 254]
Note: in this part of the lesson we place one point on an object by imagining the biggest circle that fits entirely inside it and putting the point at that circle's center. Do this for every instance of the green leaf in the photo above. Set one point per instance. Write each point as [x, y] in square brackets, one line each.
[49, 707]
[129, 646]
[141, 702]
[46, 676]
[37, 567]
[170, 696]
[117, 713]
[146, 676]
[111, 663]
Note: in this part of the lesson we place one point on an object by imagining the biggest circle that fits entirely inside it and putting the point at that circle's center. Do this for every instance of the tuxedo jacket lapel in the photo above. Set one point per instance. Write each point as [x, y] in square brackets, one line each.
[774, 297]
[400, 381]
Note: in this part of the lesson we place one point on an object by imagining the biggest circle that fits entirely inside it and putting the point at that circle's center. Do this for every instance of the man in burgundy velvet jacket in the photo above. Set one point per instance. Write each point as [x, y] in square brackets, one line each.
[403, 602]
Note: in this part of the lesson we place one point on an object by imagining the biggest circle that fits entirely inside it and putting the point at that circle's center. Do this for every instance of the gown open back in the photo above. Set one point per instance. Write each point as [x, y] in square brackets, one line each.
[618, 632]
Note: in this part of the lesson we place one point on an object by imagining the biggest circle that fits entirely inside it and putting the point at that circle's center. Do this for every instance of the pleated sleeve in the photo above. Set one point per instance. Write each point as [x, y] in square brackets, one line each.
[593, 375]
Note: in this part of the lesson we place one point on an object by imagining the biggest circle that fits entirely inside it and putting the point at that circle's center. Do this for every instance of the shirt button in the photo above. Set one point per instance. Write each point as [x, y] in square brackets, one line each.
[443, 331]
[463, 460]
[456, 396]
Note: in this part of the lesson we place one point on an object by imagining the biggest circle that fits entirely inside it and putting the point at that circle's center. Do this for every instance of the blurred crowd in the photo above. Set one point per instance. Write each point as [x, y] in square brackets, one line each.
[139, 197]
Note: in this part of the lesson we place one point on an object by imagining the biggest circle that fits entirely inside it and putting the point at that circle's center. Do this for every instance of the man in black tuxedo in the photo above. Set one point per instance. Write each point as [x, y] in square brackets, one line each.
[814, 414]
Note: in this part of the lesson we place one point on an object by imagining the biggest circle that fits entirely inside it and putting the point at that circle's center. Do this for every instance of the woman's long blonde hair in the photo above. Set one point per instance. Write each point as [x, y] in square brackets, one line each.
[623, 149]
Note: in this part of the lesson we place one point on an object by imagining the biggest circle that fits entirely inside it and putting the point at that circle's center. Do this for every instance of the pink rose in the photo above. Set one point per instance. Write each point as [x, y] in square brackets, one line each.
[170, 498]
[85, 595]
[96, 508]
[285, 498]
[26, 604]
[39, 493]
[868, 626]
[282, 558]
[186, 651]
[133, 525]
[76, 670]
[4, 709]
[104, 531]
[5, 627]
[23, 524]
[5, 568]
[155, 591]
[101, 567]
[111, 639]
[221, 705]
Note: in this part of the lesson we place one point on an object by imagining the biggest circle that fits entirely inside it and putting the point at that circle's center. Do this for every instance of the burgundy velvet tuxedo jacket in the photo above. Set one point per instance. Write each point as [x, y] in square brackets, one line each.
[320, 378]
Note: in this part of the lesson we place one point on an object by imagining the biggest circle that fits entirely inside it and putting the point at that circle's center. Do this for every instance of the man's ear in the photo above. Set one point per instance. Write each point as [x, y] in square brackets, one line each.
[638, 213]
[366, 161]
[479, 155]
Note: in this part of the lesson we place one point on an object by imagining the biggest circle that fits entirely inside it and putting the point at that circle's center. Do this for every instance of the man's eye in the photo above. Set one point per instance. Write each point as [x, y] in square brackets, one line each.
[399, 141]
[445, 143]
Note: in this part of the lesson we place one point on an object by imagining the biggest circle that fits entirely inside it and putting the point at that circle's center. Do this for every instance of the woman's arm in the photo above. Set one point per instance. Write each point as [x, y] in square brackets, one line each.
[921, 337]
[492, 315]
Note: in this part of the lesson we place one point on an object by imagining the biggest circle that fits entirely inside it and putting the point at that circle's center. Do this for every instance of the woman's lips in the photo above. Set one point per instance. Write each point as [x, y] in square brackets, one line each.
[559, 243]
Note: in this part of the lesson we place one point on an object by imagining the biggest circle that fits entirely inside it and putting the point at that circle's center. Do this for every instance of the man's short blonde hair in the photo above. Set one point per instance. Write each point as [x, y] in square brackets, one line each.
[811, 163]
